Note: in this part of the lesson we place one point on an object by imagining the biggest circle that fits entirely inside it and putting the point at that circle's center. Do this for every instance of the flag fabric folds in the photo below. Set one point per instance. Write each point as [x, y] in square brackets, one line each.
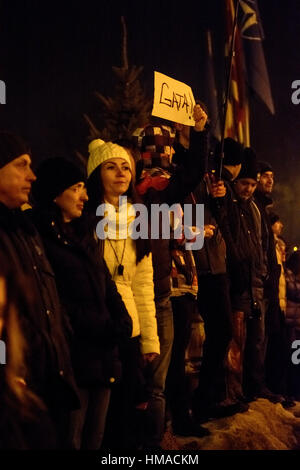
[237, 117]
[249, 67]
[252, 35]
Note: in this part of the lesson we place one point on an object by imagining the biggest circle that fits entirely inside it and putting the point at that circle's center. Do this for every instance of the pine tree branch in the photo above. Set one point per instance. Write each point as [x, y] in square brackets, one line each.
[81, 158]
[94, 132]
[108, 102]
[128, 107]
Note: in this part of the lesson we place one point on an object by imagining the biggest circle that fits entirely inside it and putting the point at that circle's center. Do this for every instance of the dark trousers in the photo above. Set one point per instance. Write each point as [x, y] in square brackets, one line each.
[121, 431]
[254, 378]
[293, 370]
[215, 308]
[246, 354]
[176, 386]
[277, 350]
[60, 422]
[88, 423]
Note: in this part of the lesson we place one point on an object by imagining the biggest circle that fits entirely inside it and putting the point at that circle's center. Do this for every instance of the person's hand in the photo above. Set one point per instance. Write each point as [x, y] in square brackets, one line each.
[200, 118]
[217, 189]
[149, 357]
[209, 231]
[192, 232]
[183, 133]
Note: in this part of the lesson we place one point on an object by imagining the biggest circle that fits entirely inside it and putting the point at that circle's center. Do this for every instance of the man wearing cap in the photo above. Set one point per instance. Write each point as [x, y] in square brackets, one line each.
[210, 397]
[241, 227]
[50, 375]
[275, 367]
[233, 159]
[263, 200]
[280, 247]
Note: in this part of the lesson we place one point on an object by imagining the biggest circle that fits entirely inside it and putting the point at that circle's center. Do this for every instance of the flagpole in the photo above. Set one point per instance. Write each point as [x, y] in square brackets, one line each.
[231, 55]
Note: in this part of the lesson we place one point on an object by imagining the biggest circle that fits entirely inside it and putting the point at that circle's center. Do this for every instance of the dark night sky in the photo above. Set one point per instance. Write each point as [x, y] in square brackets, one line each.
[55, 54]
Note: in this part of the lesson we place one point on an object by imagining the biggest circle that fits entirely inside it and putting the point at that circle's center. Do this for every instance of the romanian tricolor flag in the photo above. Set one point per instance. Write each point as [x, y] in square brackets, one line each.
[249, 70]
[237, 117]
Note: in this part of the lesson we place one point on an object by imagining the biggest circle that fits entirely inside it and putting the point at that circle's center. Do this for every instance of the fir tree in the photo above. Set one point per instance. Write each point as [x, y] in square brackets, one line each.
[128, 108]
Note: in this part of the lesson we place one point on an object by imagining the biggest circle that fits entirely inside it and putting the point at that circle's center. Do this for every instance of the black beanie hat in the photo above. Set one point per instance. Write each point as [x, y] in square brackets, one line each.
[233, 152]
[264, 166]
[53, 177]
[273, 217]
[249, 167]
[11, 147]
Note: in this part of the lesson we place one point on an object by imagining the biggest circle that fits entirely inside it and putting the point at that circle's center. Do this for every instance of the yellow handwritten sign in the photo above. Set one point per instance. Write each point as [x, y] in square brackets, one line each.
[173, 100]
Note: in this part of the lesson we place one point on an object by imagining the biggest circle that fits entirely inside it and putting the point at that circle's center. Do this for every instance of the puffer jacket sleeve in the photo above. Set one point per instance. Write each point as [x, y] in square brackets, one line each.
[143, 291]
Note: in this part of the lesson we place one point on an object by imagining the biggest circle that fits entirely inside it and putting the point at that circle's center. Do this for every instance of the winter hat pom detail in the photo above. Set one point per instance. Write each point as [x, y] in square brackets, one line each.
[100, 151]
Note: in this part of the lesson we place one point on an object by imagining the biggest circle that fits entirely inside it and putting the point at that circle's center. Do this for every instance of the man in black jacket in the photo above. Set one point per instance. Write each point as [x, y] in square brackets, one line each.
[50, 375]
[210, 397]
[240, 223]
[275, 342]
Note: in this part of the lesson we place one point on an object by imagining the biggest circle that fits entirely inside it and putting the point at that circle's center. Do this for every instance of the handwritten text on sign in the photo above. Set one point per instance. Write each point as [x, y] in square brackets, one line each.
[173, 100]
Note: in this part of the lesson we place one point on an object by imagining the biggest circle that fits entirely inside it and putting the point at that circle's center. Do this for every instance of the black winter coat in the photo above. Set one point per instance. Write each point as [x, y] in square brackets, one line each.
[50, 374]
[21, 430]
[211, 259]
[98, 317]
[240, 224]
[269, 249]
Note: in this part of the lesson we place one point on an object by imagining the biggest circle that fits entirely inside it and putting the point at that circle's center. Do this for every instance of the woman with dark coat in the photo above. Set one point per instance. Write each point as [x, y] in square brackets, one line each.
[98, 318]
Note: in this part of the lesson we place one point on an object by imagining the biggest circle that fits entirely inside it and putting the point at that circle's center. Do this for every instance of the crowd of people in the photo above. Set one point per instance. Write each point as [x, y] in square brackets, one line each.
[96, 328]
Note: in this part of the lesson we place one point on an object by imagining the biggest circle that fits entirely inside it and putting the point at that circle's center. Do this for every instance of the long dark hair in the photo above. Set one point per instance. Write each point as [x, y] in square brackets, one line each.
[95, 191]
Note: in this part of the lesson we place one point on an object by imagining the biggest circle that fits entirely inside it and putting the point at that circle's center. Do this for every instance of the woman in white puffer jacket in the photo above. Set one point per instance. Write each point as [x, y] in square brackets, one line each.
[110, 169]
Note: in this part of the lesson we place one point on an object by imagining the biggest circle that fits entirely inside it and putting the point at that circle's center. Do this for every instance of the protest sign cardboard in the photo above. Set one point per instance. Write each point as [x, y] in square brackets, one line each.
[173, 100]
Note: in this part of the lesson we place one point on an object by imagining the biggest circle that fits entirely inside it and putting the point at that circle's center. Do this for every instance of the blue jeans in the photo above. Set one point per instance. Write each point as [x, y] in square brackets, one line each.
[158, 370]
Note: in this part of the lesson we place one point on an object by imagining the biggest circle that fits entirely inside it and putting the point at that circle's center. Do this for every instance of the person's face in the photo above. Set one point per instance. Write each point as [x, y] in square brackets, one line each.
[244, 188]
[15, 182]
[266, 182]
[277, 227]
[2, 302]
[116, 177]
[71, 201]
